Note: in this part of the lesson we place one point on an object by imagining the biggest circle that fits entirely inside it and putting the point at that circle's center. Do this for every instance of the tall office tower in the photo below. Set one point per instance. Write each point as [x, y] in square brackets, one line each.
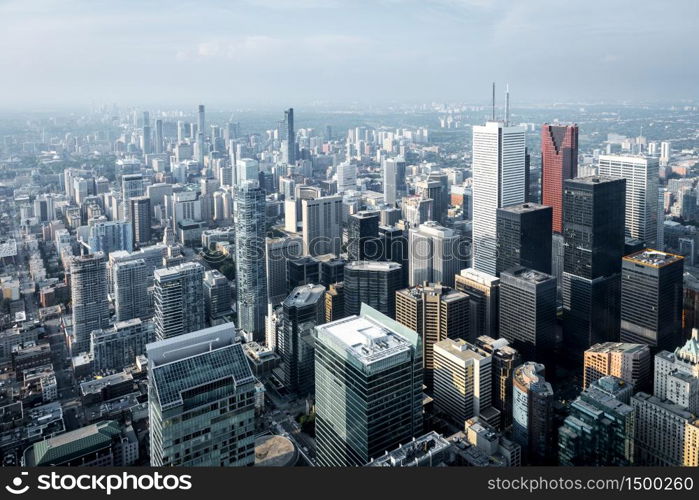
[147, 134]
[117, 347]
[593, 231]
[302, 271]
[362, 236]
[559, 161]
[436, 313]
[557, 258]
[676, 375]
[322, 225]
[528, 313]
[346, 177]
[498, 181]
[660, 431]
[130, 281]
[217, 295]
[532, 413]
[665, 155]
[302, 311]
[335, 302]
[600, 428]
[524, 237]
[290, 136]
[462, 381]
[250, 221]
[88, 292]
[435, 188]
[278, 252]
[131, 187]
[434, 254]
[641, 174]
[416, 210]
[504, 360]
[159, 141]
[629, 362]
[331, 269]
[201, 395]
[201, 126]
[359, 362]
[393, 243]
[483, 291]
[140, 213]
[394, 187]
[178, 298]
[651, 299]
[372, 283]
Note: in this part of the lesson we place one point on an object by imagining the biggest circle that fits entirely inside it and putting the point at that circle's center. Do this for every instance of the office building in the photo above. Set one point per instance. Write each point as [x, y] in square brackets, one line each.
[559, 161]
[504, 361]
[651, 299]
[435, 312]
[201, 400]
[394, 187]
[362, 236]
[346, 177]
[116, 347]
[130, 281]
[641, 174]
[217, 295]
[335, 302]
[88, 291]
[434, 254]
[528, 313]
[499, 173]
[278, 252]
[483, 292]
[628, 362]
[435, 188]
[358, 361]
[178, 297]
[524, 237]
[322, 225]
[302, 271]
[372, 283]
[532, 413]
[140, 213]
[290, 136]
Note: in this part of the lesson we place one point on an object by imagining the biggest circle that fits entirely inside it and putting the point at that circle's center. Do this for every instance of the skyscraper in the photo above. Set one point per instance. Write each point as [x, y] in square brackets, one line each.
[434, 254]
[131, 187]
[201, 127]
[360, 360]
[436, 188]
[322, 225]
[131, 279]
[498, 181]
[524, 237]
[651, 299]
[641, 174]
[372, 283]
[178, 296]
[140, 213]
[302, 310]
[559, 161]
[629, 362]
[346, 177]
[504, 360]
[532, 413]
[201, 400]
[147, 134]
[394, 187]
[88, 291]
[593, 231]
[217, 295]
[278, 252]
[483, 293]
[159, 142]
[250, 219]
[436, 313]
[362, 235]
[290, 136]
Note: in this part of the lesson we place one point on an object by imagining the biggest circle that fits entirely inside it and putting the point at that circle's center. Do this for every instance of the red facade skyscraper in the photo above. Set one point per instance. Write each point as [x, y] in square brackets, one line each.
[559, 161]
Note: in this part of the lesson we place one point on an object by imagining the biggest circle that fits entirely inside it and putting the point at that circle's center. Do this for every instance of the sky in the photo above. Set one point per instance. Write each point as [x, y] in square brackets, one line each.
[296, 52]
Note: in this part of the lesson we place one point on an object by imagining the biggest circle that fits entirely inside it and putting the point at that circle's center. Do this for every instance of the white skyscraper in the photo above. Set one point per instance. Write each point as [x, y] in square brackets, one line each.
[322, 225]
[433, 254]
[393, 179]
[641, 174]
[498, 180]
[665, 153]
[346, 177]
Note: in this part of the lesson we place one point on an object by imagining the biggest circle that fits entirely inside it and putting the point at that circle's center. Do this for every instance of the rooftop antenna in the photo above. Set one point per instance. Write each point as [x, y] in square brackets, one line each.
[507, 105]
[493, 117]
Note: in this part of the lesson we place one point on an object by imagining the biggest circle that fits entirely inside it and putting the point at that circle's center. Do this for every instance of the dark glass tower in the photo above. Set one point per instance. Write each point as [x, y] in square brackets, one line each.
[362, 236]
[372, 283]
[524, 237]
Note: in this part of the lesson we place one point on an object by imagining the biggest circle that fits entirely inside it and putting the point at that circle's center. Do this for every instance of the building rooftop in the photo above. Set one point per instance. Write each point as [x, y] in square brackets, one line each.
[653, 258]
[72, 444]
[527, 274]
[460, 349]
[305, 295]
[370, 265]
[424, 448]
[530, 375]
[593, 179]
[521, 208]
[479, 277]
[609, 347]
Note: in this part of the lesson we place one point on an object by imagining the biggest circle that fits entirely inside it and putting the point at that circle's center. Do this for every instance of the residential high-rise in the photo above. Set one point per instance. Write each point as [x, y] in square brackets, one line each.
[88, 291]
[362, 236]
[178, 297]
[394, 187]
[498, 180]
[201, 127]
[201, 400]
[665, 153]
[131, 187]
[528, 313]
[117, 347]
[278, 252]
[651, 299]
[159, 142]
[217, 295]
[593, 231]
[322, 225]
[559, 161]
[504, 360]
[462, 380]
[434, 254]
[290, 136]
[108, 236]
[483, 292]
[302, 311]
[641, 174]
[524, 237]
[629, 362]
[140, 213]
[131, 280]
[251, 228]
[372, 283]
[435, 312]
[532, 413]
[360, 360]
